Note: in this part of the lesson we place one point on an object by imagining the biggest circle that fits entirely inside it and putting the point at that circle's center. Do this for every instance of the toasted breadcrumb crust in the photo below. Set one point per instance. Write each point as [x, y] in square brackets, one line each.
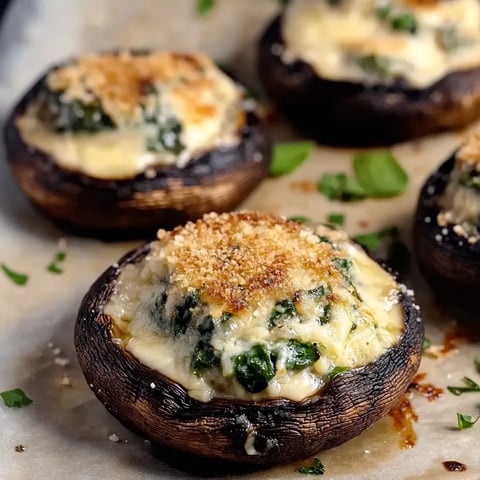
[469, 152]
[121, 80]
[235, 259]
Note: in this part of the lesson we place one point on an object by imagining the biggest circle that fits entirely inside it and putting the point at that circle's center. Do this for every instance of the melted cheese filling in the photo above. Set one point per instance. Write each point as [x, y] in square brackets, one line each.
[375, 40]
[190, 89]
[460, 202]
[242, 268]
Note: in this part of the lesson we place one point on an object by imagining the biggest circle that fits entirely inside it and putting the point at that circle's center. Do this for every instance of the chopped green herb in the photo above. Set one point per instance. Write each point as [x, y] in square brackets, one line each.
[204, 6]
[316, 469]
[289, 156]
[379, 174]
[319, 292]
[15, 398]
[53, 266]
[157, 310]
[476, 362]
[466, 421]
[300, 219]
[336, 218]
[374, 64]
[405, 22]
[337, 371]
[426, 344]
[255, 368]
[471, 386]
[339, 186]
[15, 277]
[300, 355]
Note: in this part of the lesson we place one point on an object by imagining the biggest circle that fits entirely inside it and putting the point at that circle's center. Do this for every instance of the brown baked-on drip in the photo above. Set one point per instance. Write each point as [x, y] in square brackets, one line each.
[445, 236]
[353, 113]
[253, 429]
[118, 96]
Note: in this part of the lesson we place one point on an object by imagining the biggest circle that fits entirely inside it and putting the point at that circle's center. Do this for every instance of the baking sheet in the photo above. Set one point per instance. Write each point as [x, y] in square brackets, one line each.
[66, 432]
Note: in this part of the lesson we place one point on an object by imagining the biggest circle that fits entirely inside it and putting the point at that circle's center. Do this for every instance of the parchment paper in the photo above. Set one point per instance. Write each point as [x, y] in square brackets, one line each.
[66, 432]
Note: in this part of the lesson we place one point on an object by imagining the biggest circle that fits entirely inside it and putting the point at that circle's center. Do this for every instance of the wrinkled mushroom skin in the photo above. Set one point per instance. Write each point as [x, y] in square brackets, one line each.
[349, 114]
[281, 430]
[452, 270]
[217, 181]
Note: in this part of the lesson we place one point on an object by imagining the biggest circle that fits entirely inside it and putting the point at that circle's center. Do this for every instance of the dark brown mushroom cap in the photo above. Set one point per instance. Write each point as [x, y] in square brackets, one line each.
[353, 113]
[447, 260]
[280, 430]
[218, 180]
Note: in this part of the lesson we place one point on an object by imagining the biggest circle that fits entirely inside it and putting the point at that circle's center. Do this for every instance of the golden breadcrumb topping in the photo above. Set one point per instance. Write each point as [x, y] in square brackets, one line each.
[121, 80]
[469, 152]
[238, 258]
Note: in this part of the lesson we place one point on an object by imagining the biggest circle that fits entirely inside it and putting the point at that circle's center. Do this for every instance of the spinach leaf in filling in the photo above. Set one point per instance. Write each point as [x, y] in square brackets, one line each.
[65, 115]
[299, 355]
[283, 310]
[254, 368]
[182, 317]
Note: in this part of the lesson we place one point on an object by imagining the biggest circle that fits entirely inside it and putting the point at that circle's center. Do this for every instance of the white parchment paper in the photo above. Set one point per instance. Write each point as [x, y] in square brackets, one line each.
[66, 431]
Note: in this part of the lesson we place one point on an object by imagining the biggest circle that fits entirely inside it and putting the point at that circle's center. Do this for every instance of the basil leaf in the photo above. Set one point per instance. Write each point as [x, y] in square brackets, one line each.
[204, 6]
[466, 421]
[15, 277]
[316, 469]
[470, 386]
[15, 398]
[336, 218]
[289, 156]
[379, 174]
[339, 186]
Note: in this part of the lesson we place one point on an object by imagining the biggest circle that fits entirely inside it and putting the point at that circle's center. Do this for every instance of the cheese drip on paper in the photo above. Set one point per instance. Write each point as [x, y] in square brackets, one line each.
[380, 41]
[251, 306]
[159, 109]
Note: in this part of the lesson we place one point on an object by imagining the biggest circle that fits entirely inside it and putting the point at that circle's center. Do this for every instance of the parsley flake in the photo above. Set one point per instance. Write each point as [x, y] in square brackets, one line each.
[53, 266]
[15, 398]
[316, 469]
[287, 157]
[15, 277]
[466, 421]
[470, 386]
[204, 6]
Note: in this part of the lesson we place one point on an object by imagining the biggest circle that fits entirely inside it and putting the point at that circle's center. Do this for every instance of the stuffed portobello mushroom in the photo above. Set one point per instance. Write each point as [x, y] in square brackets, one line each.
[248, 338]
[374, 72]
[121, 143]
[447, 228]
